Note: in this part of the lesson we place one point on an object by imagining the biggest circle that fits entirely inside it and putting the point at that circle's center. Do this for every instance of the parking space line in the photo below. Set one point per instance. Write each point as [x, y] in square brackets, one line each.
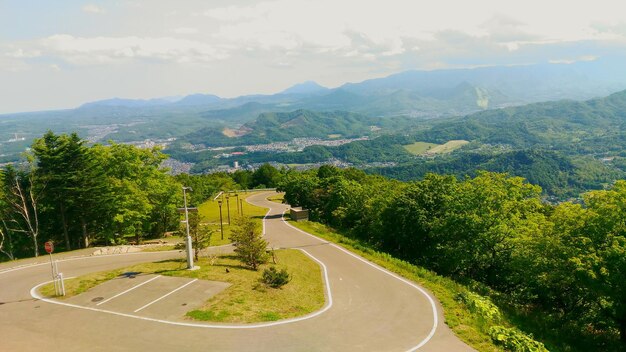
[130, 289]
[167, 294]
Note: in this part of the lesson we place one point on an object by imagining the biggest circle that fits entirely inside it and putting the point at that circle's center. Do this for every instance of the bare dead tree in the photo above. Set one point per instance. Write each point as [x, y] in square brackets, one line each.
[24, 205]
[8, 252]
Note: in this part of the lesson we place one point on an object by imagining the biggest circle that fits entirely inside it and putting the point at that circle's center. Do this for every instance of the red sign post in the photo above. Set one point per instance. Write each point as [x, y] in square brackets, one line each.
[49, 247]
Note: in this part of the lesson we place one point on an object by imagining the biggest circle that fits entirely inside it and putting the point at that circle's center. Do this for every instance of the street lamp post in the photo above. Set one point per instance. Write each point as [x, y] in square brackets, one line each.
[228, 208]
[188, 241]
[219, 202]
[241, 202]
[237, 204]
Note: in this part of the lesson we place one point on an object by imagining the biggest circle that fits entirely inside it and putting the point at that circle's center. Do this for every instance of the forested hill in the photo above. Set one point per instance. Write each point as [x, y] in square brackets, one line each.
[284, 126]
[567, 147]
[585, 127]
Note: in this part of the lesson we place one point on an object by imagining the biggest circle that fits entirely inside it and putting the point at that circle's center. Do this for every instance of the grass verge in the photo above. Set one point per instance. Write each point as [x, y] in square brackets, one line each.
[278, 198]
[210, 214]
[469, 326]
[246, 300]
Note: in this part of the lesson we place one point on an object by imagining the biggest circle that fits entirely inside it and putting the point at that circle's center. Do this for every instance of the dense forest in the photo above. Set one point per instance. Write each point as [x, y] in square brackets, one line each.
[79, 196]
[558, 268]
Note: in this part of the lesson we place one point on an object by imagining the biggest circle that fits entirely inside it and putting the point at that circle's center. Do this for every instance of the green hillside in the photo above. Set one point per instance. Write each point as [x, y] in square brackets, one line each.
[284, 126]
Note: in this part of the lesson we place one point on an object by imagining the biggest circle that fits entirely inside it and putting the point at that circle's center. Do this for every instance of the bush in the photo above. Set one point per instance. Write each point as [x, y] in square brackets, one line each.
[274, 278]
[482, 306]
[515, 340]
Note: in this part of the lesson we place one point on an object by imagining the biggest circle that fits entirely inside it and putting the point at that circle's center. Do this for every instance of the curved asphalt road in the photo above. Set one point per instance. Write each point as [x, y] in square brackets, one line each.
[372, 310]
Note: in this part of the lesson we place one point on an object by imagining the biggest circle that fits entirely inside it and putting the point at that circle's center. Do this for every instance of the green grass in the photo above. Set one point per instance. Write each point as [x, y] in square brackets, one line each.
[447, 147]
[249, 301]
[246, 300]
[467, 325]
[81, 284]
[277, 198]
[419, 148]
[209, 212]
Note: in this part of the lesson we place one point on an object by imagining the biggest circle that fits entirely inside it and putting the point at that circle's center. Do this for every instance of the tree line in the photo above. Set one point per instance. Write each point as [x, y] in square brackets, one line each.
[561, 267]
[78, 195]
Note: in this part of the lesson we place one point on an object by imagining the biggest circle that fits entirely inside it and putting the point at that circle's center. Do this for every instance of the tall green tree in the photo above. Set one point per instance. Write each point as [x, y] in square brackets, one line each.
[249, 244]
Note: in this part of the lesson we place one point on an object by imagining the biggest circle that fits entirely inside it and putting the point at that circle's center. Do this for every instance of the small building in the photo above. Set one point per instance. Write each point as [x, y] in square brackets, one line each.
[299, 214]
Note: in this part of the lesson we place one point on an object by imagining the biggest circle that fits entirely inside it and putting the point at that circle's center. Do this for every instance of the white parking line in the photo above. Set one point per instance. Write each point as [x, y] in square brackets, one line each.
[165, 295]
[130, 289]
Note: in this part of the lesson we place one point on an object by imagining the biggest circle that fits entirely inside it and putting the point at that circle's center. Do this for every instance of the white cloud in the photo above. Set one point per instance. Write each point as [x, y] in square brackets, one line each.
[185, 30]
[92, 8]
[102, 50]
[571, 61]
[23, 54]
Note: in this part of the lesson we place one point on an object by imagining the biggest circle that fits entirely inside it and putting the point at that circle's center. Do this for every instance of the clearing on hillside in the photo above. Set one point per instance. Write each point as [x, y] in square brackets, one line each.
[419, 148]
[448, 147]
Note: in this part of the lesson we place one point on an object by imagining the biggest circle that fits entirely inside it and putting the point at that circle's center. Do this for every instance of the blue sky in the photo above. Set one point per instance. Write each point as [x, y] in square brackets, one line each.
[59, 54]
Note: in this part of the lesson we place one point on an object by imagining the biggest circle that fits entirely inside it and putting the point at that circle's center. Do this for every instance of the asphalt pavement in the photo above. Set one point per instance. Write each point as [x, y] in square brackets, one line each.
[367, 309]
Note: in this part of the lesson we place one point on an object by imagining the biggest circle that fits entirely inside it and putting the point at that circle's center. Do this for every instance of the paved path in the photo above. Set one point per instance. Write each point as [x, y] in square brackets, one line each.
[368, 310]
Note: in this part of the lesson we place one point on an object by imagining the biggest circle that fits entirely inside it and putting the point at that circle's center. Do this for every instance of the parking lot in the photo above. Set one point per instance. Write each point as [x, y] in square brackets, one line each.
[153, 296]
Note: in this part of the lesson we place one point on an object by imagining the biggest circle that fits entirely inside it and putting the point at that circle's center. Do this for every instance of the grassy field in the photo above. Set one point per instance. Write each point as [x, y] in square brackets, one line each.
[419, 148]
[246, 300]
[448, 147]
[467, 325]
[249, 301]
[424, 148]
[210, 214]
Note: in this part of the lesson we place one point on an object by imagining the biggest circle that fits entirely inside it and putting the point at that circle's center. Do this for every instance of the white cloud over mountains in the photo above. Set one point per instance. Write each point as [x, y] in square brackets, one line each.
[349, 28]
[279, 42]
[104, 50]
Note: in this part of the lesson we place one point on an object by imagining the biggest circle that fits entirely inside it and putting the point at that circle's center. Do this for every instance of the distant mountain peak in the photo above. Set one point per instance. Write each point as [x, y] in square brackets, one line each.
[308, 87]
[198, 99]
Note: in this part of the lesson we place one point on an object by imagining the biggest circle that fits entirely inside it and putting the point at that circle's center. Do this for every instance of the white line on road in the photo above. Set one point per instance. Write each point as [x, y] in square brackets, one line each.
[377, 267]
[130, 289]
[165, 295]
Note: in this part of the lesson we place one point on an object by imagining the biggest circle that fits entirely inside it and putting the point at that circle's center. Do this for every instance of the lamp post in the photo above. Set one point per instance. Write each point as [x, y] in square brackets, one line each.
[188, 241]
[241, 202]
[228, 208]
[219, 202]
[237, 204]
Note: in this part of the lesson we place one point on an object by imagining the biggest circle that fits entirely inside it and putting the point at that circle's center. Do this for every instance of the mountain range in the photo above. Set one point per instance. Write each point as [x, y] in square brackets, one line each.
[413, 94]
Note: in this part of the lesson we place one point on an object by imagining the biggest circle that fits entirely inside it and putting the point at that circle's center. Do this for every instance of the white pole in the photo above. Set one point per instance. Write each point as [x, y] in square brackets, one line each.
[52, 266]
[62, 284]
[189, 249]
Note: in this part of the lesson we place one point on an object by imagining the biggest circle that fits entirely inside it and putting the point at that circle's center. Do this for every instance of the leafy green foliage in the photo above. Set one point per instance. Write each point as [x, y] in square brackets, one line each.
[250, 246]
[514, 340]
[559, 269]
[83, 195]
[274, 278]
[481, 306]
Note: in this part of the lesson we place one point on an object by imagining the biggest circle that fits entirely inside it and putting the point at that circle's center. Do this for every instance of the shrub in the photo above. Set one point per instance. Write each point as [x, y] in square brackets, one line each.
[482, 306]
[514, 340]
[274, 278]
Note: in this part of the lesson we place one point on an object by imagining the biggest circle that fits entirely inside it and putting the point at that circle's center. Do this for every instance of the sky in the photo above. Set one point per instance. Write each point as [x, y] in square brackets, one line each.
[60, 54]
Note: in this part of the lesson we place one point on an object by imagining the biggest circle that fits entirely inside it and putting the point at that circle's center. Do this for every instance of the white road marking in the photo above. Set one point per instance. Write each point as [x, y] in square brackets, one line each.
[34, 294]
[79, 257]
[165, 295]
[130, 289]
[377, 267]
[329, 304]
